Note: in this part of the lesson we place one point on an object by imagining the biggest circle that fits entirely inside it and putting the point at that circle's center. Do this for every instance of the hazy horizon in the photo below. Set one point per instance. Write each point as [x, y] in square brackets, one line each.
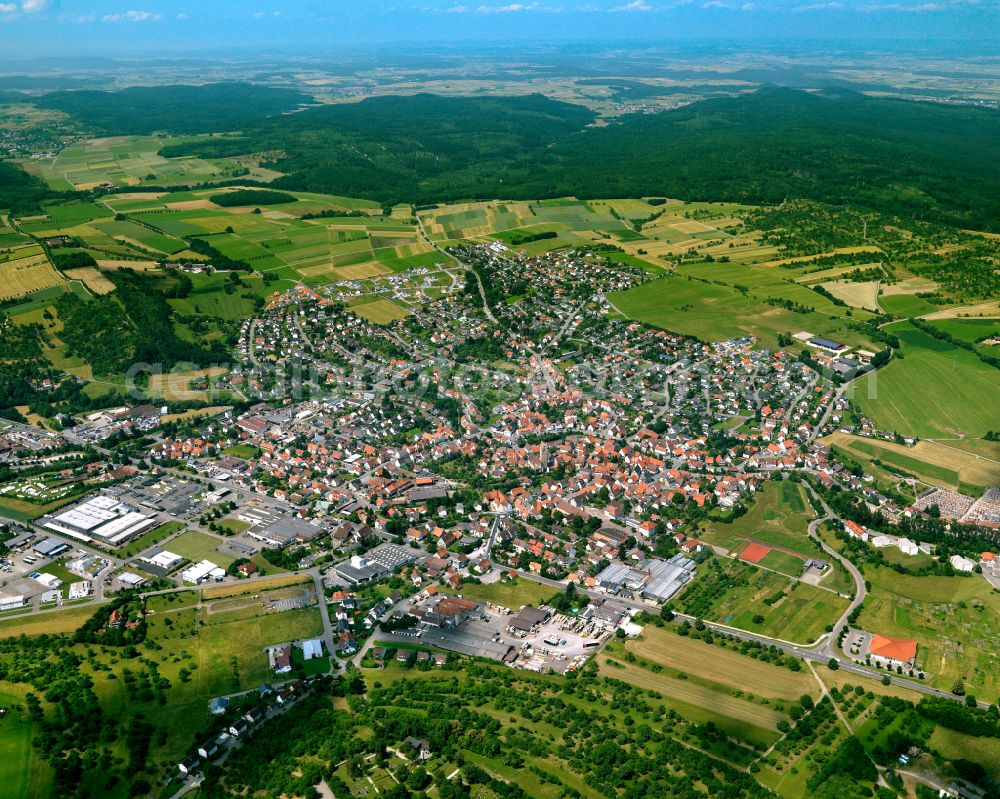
[39, 28]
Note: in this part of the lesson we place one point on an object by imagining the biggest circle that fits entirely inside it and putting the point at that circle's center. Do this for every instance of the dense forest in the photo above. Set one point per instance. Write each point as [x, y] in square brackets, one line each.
[930, 161]
[20, 193]
[176, 109]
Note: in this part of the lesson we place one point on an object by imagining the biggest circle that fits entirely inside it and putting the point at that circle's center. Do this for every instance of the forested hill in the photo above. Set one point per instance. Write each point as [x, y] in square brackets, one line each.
[935, 161]
[930, 160]
[419, 149]
[176, 109]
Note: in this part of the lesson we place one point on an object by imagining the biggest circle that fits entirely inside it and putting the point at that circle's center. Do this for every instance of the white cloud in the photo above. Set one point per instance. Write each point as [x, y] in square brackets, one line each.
[635, 5]
[456, 10]
[509, 9]
[182, 16]
[8, 8]
[131, 16]
[33, 6]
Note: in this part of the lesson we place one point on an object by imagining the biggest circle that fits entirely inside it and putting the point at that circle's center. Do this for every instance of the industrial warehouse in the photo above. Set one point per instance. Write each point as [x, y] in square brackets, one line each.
[102, 519]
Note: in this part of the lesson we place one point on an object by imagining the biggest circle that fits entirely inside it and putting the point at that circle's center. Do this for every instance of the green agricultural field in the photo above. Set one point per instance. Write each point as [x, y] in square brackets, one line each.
[135, 160]
[513, 594]
[935, 391]
[209, 297]
[702, 702]
[954, 620]
[66, 620]
[713, 312]
[954, 464]
[724, 667]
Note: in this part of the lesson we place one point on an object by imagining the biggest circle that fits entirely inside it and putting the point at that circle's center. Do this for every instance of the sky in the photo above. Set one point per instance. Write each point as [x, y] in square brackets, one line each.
[113, 27]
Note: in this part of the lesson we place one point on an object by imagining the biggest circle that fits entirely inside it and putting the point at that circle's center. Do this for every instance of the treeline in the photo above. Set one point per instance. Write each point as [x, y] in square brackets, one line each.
[516, 239]
[219, 259]
[944, 335]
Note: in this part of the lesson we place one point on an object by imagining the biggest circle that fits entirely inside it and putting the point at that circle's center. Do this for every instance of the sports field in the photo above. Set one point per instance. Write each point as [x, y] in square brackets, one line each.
[936, 391]
[753, 553]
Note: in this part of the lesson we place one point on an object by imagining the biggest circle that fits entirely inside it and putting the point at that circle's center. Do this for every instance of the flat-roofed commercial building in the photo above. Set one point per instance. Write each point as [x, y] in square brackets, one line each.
[103, 519]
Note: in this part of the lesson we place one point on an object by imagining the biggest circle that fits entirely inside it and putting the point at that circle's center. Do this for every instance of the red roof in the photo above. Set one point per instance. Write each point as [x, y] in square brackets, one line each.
[901, 649]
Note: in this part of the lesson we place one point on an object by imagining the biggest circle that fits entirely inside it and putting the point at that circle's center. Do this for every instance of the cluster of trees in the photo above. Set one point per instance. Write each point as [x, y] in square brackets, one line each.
[73, 260]
[241, 197]
[120, 623]
[970, 720]
[611, 735]
[134, 325]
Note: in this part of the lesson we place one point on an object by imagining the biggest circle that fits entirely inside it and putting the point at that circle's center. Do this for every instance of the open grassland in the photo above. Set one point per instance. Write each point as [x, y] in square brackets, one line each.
[957, 746]
[147, 540]
[513, 594]
[779, 517]
[178, 385]
[239, 589]
[725, 667]
[935, 391]
[722, 301]
[23, 774]
[197, 547]
[951, 464]
[48, 623]
[955, 621]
